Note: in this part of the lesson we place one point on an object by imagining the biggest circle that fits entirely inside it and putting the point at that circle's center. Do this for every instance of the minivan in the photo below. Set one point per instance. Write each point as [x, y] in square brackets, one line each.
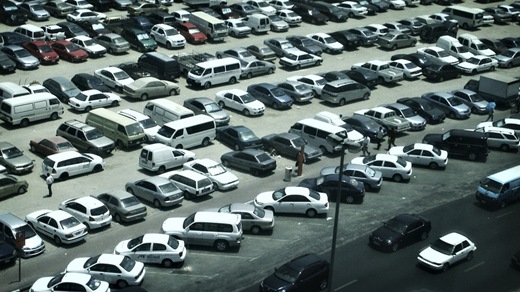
[29, 108]
[193, 184]
[10, 89]
[85, 137]
[469, 144]
[163, 111]
[206, 74]
[160, 65]
[159, 157]
[342, 91]
[32, 31]
[12, 227]
[188, 132]
[219, 230]
[500, 188]
[430, 33]
[124, 131]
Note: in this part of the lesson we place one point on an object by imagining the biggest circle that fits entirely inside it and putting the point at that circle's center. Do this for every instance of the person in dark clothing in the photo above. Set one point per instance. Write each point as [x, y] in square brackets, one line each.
[391, 138]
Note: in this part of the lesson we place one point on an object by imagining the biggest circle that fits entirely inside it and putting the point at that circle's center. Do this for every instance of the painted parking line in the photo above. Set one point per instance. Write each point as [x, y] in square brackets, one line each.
[220, 255]
[184, 271]
[505, 214]
[271, 239]
[474, 267]
[348, 284]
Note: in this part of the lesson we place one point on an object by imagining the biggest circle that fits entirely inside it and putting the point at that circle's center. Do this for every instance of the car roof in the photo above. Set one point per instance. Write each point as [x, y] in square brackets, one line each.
[108, 258]
[59, 215]
[54, 139]
[242, 207]
[387, 157]
[87, 201]
[156, 180]
[453, 238]
[205, 161]
[120, 194]
[253, 152]
[406, 218]
[156, 238]
[203, 100]
[422, 146]
[215, 217]
[64, 155]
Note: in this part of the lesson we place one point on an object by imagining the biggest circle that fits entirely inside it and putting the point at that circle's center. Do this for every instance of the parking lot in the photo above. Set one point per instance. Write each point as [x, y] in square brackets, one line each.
[206, 269]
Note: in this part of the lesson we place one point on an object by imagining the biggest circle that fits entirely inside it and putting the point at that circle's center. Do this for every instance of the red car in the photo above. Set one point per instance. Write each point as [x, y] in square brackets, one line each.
[43, 51]
[191, 33]
[69, 51]
[51, 145]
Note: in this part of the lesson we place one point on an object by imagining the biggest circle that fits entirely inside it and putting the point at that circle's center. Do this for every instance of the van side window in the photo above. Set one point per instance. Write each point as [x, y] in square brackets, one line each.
[231, 67]
[197, 226]
[121, 129]
[169, 116]
[297, 126]
[220, 69]
[310, 131]
[322, 134]
[149, 107]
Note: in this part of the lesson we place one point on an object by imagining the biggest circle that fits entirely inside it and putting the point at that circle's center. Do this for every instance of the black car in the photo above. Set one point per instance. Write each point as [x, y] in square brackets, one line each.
[6, 64]
[400, 231]
[515, 260]
[8, 253]
[85, 81]
[367, 78]
[289, 144]
[93, 28]
[63, 88]
[305, 44]
[310, 14]
[72, 29]
[238, 137]
[162, 17]
[101, 5]
[424, 108]
[365, 126]
[352, 191]
[471, 145]
[346, 38]
[418, 59]
[10, 14]
[225, 12]
[440, 71]
[14, 38]
[252, 160]
[511, 42]
[140, 22]
[495, 45]
[331, 11]
[430, 33]
[381, 5]
[308, 272]
[335, 76]
[134, 70]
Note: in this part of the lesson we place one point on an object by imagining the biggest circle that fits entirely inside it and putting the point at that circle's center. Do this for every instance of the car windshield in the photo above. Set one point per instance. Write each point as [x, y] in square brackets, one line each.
[401, 161]
[297, 142]
[91, 261]
[263, 157]
[301, 87]
[369, 158]
[320, 180]
[277, 92]
[396, 225]
[212, 107]
[121, 75]
[384, 67]
[97, 26]
[12, 152]
[278, 194]
[370, 172]
[491, 185]
[329, 40]
[274, 17]
[119, 40]
[64, 146]
[187, 222]
[127, 263]
[259, 212]
[26, 230]
[22, 53]
[454, 101]
[247, 98]
[442, 247]
[286, 46]
[407, 112]
[93, 283]
[407, 148]
[481, 47]
[81, 97]
[286, 273]
[475, 97]
[473, 60]
[69, 223]
[168, 188]
[45, 49]
[499, 123]
[130, 201]
[226, 10]
[143, 37]
[197, 70]
[135, 242]
[225, 209]
[170, 32]
[72, 48]
[219, 26]
[93, 134]
[56, 280]
[247, 136]
[410, 65]
[148, 123]
[89, 42]
[193, 31]
[216, 169]
[134, 129]
[321, 82]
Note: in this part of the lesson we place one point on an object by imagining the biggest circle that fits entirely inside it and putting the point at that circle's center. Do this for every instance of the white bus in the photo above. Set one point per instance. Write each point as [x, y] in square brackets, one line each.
[468, 18]
[206, 74]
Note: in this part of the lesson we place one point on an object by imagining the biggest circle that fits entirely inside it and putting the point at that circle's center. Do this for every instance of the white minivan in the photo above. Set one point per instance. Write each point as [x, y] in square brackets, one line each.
[163, 111]
[29, 108]
[159, 157]
[206, 74]
[188, 132]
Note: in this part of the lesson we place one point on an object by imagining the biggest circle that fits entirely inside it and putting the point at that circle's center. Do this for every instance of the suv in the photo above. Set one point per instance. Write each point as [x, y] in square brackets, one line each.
[88, 210]
[193, 184]
[308, 272]
[469, 144]
[430, 33]
[220, 230]
[85, 137]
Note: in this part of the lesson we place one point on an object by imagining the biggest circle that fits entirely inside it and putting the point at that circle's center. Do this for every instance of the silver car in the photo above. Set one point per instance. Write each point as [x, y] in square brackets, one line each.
[123, 206]
[298, 91]
[158, 190]
[472, 99]
[256, 68]
[449, 104]
[206, 106]
[14, 160]
[253, 219]
[22, 58]
[150, 87]
[371, 178]
[417, 122]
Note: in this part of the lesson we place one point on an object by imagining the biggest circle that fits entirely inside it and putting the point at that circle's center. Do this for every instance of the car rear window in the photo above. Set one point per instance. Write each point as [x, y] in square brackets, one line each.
[99, 211]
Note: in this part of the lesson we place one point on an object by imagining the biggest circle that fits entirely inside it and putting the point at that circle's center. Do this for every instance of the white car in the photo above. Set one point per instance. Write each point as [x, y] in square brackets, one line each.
[93, 98]
[263, 6]
[297, 59]
[409, 69]
[397, 4]
[478, 63]
[352, 8]
[437, 54]
[66, 164]
[316, 82]
[153, 248]
[80, 4]
[328, 43]
[378, 29]
[422, 154]
[222, 179]
[294, 200]
[289, 16]
[168, 36]
[391, 166]
[59, 225]
[502, 138]
[241, 101]
[446, 251]
[89, 210]
[237, 27]
[149, 126]
[90, 46]
[181, 15]
[507, 123]
[85, 15]
[115, 269]
[113, 77]
[281, 4]
[80, 282]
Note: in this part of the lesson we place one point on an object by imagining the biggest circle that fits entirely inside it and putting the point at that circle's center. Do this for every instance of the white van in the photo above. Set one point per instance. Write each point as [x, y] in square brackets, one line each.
[327, 137]
[468, 18]
[163, 111]
[500, 188]
[454, 48]
[188, 132]
[206, 74]
[10, 89]
[159, 157]
[29, 108]
[31, 31]
[258, 23]
[193, 184]
[212, 27]
[475, 45]
[124, 131]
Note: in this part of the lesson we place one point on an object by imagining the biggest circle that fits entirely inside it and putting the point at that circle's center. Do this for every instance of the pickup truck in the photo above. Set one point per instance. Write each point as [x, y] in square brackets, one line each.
[382, 69]
[386, 117]
[188, 61]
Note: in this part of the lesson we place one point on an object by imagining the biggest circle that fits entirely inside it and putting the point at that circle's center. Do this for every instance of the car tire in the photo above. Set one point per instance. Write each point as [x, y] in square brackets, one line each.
[187, 195]
[232, 80]
[115, 103]
[161, 169]
[297, 67]
[424, 235]
[22, 189]
[221, 104]
[254, 172]
[221, 245]
[317, 63]
[445, 267]
[144, 96]
[451, 115]
[256, 229]
[236, 147]
[492, 68]
[225, 163]
[24, 123]
[216, 187]
[64, 176]
[205, 142]
[349, 199]
[368, 188]
[311, 213]
[366, 96]
[57, 240]
[323, 284]
[167, 263]
[97, 168]
[207, 85]
[270, 71]
[122, 284]
[246, 112]
[249, 75]
[88, 108]
[131, 191]
[397, 177]
[413, 44]
[169, 46]
[275, 106]
[342, 102]
[394, 247]
[394, 47]
[117, 217]
[504, 147]
[469, 256]
[54, 116]
[433, 165]
[441, 78]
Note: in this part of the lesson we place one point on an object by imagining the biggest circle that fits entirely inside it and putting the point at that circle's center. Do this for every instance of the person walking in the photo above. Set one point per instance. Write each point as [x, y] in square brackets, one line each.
[364, 146]
[379, 135]
[49, 181]
[491, 111]
[391, 138]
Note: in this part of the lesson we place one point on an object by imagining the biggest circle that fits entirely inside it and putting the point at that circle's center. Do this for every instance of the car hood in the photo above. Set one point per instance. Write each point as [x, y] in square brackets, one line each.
[434, 256]
[275, 283]
[172, 225]
[383, 233]
[225, 177]
[432, 138]
[264, 198]
[20, 160]
[41, 284]
[255, 105]
[219, 115]
[502, 58]
[308, 183]
[76, 265]
[416, 119]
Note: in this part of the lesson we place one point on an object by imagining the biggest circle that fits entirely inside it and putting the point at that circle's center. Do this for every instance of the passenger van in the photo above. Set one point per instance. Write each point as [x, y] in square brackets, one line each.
[32, 31]
[258, 23]
[163, 111]
[29, 108]
[10, 89]
[193, 184]
[454, 48]
[327, 137]
[188, 132]
[11, 226]
[124, 131]
[500, 188]
[206, 74]
[160, 65]
[215, 29]
[159, 157]
[468, 18]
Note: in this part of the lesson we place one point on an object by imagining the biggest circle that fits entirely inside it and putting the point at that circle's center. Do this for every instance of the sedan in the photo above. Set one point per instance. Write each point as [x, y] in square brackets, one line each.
[150, 87]
[10, 185]
[158, 190]
[424, 108]
[305, 44]
[440, 71]
[372, 179]
[80, 282]
[262, 53]
[42, 51]
[400, 231]
[35, 11]
[241, 101]
[14, 160]
[85, 15]
[326, 42]
[392, 167]
[115, 269]
[256, 68]
[394, 40]
[472, 99]
[479, 63]
[22, 57]
[351, 190]
[113, 78]
[416, 121]
[253, 219]
[270, 94]
[153, 248]
[252, 160]
[69, 51]
[86, 81]
[238, 137]
[58, 225]
[422, 154]
[89, 45]
[365, 125]
[509, 58]
[206, 106]
[409, 69]
[51, 145]
[222, 178]
[237, 53]
[367, 78]
[446, 251]
[296, 59]
[93, 98]
[123, 206]
[290, 145]
[299, 92]
[437, 54]
[134, 70]
[298, 200]
[508, 123]
[289, 16]
[447, 103]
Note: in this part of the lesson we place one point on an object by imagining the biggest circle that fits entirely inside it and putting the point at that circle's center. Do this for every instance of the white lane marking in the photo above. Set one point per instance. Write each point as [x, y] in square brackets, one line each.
[348, 284]
[473, 267]
[217, 255]
[505, 214]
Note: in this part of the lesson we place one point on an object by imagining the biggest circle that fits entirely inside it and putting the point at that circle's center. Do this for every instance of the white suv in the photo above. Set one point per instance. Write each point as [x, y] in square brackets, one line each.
[149, 126]
[88, 210]
[66, 164]
[168, 36]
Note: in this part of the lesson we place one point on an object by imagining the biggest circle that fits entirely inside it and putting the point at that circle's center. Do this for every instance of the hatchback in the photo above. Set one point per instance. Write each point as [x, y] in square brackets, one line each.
[89, 210]
[10, 185]
[372, 179]
[51, 145]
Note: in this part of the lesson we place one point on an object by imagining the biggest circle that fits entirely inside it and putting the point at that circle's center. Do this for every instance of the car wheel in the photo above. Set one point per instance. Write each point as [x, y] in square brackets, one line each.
[54, 116]
[57, 240]
[270, 208]
[397, 177]
[366, 96]
[246, 112]
[323, 284]
[469, 256]
[465, 26]
[459, 75]
[24, 123]
[232, 80]
[510, 65]
[254, 171]
[381, 80]
[169, 45]
[441, 78]
[256, 229]
[311, 213]
[317, 63]
[474, 71]
[117, 217]
[492, 68]
[130, 190]
[115, 103]
[64, 176]
[413, 44]
[225, 163]
[342, 102]
[236, 147]
[474, 110]
[249, 75]
[270, 71]
[161, 169]
[221, 245]
[472, 156]
[424, 235]
[156, 203]
[88, 108]
[144, 96]
[298, 67]
[394, 47]
[445, 267]
[22, 189]
[451, 115]
[167, 263]
[221, 104]
[122, 284]
[504, 147]
[349, 199]
[110, 51]
[187, 195]
[207, 85]
[395, 247]
[433, 165]
[275, 106]
[368, 188]
[215, 186]
[205, 142]
[179, 146]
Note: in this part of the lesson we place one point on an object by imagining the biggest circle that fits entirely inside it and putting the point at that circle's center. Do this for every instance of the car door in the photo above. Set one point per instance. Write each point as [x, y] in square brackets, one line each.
[458, 253]
[378, 165]
[7, 187]
[45, 227]
[146, 190]
[98, 100]
[142, 253]
[195, 233]
[413, 232]
[229, 136]
[82, 165]
[243, 161]
[105, 272]
[414, 156]
[390, 168]
[77, 210]
[156, 88]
